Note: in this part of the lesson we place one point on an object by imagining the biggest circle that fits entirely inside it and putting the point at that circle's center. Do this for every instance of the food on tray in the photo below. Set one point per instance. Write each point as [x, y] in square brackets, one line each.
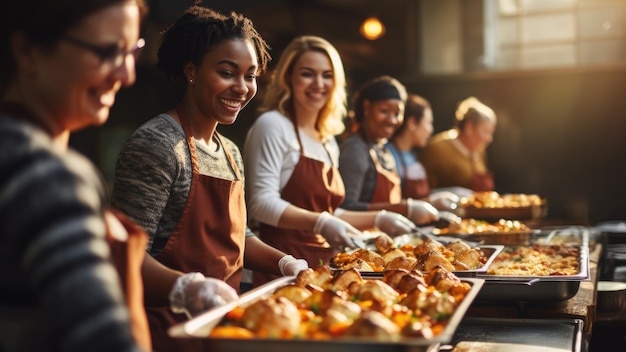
[536, 260]
[496, 200]
[475, 226]
[321, 304]
[423, 256]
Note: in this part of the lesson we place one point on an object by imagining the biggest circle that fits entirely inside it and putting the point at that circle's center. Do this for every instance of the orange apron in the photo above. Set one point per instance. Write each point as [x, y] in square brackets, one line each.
[387, 188]
[313, 186]
[209, 238]
[127, 257]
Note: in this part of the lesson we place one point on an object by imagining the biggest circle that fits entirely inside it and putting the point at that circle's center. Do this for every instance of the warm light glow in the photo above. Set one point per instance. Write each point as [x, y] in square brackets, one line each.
[372, 28]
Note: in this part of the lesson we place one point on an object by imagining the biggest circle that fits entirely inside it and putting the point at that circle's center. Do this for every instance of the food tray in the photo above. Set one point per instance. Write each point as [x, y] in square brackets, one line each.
[491, 252]
[535, 288]
[523, 335]
[509, 238]
[494, 214]
[199, 328]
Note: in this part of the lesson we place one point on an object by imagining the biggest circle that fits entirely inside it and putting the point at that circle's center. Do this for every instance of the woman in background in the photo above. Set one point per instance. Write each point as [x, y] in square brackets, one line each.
[182, 180]
[366, 165]
[291, 156]
[413, 133]
[456, 158]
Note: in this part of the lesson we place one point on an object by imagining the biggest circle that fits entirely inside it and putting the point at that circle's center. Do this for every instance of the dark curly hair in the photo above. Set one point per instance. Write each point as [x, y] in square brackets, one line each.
[197, 31]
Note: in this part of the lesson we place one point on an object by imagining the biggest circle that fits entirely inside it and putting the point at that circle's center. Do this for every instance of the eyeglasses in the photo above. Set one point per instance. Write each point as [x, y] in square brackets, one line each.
[109, 53]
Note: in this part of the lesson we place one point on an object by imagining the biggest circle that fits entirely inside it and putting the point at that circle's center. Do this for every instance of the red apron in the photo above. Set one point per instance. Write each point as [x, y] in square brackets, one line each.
[313, 186]
[387, 188]
[481, 182]
[209, 238]
[416, 189]
[413, 188]
[127, 257]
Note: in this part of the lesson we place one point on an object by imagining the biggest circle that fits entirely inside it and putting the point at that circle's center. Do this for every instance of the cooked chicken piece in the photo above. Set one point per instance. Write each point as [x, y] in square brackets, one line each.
[321, 301]
[407, 263]
[441, 278]
[431, 259]
[392, 254]
[411, 282]
[350, 309]
[370, 256]
[393, 277]
[378, 291]
[342, 280]
[357, 264]
[383, 243]
[273, 318]
[471, 257]
[460, 266]
[318, 276]
[458, 246]
[427, 246]
[294, 293]
[374, 325]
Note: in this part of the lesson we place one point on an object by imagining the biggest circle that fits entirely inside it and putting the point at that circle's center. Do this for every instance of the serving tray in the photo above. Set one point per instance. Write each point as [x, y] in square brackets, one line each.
[200, 327]
[535, 288]
[523, 335]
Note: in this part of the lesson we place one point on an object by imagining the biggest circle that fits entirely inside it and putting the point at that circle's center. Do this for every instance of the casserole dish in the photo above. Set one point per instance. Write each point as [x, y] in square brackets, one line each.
[536, 287]
[200, 327]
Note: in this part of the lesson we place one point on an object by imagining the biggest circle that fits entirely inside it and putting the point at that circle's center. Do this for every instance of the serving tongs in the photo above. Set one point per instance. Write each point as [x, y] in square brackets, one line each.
[446, 219]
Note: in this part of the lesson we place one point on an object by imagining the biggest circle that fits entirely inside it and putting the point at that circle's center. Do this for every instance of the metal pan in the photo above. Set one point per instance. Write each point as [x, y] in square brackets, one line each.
[199, 328]
[535, 288]
[523, 335]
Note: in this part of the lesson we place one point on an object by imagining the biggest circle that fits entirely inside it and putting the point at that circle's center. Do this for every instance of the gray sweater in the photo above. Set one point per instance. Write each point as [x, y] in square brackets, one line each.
[153, 176]
[59, 291]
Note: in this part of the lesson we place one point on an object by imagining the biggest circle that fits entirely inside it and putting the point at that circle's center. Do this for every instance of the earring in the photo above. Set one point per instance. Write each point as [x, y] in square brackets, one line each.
[191, 81]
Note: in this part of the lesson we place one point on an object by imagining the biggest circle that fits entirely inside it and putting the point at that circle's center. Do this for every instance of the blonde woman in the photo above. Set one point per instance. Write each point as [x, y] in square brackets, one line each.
[290, 155]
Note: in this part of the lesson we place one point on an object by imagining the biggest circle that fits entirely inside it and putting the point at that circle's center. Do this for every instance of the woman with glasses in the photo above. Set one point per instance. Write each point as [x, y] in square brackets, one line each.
[182, 180]
[61, 65]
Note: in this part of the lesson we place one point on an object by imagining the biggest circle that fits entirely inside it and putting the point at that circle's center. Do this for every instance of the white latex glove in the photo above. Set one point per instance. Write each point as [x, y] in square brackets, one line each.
[193, 293]
[421, 212]
[336, 231]
[290, 266]
[392, 223]
[444, 200]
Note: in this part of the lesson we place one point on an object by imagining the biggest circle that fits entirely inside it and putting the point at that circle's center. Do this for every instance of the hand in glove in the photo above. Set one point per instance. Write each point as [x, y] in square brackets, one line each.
[392, 223]
[193, 294]
[336, 231]
[421, 212]
[290, 266]
[444, 200]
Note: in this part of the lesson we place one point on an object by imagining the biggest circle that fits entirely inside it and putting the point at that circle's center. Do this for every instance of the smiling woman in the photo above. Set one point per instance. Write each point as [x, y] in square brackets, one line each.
[183, 181]
[57, 239]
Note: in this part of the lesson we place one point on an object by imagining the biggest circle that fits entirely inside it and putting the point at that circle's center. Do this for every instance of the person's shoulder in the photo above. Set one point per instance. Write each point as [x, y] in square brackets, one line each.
[444, 136]
[353, 141]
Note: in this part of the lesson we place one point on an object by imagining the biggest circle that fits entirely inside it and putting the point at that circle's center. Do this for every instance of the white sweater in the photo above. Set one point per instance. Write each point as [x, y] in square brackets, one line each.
[271, 152]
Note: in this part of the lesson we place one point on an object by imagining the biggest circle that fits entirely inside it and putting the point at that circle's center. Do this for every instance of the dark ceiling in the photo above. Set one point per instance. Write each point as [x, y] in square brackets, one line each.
[338, 21]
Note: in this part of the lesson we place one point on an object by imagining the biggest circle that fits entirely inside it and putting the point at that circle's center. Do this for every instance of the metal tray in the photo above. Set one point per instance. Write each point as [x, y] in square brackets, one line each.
[509, 238]
[199, 328]
[513, 213]
[520, 334]
[491, 252]
[535, 288]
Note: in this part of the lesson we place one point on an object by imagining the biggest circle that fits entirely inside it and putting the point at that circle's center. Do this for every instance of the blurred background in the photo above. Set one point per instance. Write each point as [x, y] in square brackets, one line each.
[554, 71]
